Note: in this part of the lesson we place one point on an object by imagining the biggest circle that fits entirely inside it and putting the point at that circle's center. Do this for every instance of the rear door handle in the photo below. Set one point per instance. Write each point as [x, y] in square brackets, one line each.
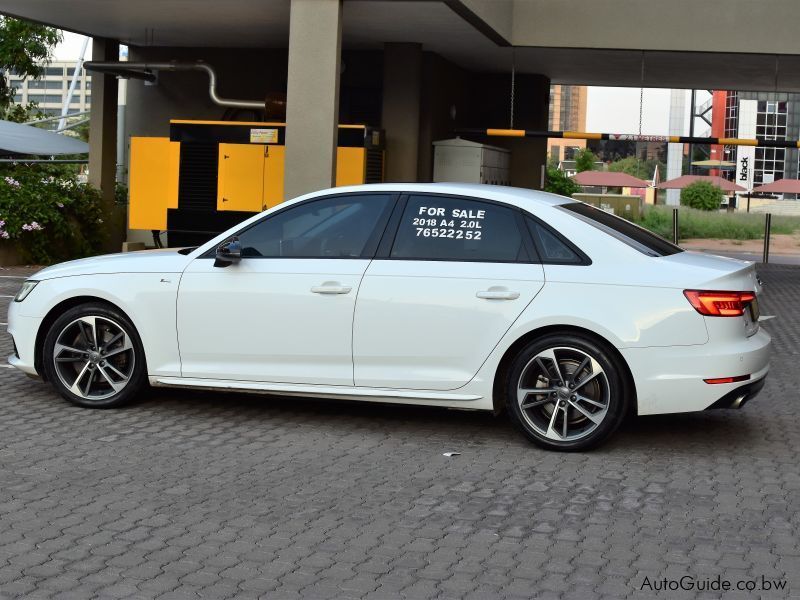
[331, 287]
[497, 294]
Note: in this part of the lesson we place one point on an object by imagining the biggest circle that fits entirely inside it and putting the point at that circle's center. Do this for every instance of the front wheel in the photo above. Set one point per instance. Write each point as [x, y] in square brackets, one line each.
[566, 392]
[93, 357]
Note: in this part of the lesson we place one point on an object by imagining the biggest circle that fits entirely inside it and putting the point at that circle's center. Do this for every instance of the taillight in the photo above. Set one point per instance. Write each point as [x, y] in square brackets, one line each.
[712, 303]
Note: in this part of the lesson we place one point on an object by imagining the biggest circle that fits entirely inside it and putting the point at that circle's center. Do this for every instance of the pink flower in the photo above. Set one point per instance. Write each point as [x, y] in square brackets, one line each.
[59, 205]
[11, 181]
[4, 235]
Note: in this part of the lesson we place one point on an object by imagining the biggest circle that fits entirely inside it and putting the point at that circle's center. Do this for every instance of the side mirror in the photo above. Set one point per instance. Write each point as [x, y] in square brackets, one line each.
[228, 253]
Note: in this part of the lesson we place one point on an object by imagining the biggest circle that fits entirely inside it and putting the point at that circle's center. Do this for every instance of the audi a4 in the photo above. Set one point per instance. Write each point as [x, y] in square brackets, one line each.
[563, 315]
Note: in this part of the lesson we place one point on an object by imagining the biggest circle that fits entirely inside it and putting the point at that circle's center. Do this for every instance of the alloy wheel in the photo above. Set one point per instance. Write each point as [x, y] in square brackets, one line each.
[563, 394]
[94, 357]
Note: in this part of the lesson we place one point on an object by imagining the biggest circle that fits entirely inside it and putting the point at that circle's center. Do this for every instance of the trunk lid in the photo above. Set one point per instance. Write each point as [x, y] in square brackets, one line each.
[711, 272]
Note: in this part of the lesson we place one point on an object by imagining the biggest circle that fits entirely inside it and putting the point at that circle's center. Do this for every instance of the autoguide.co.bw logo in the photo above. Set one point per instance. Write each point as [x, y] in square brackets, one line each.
[716, 584]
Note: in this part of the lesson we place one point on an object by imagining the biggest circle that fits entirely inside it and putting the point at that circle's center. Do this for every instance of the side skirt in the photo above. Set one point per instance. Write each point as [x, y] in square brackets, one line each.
[432, 398]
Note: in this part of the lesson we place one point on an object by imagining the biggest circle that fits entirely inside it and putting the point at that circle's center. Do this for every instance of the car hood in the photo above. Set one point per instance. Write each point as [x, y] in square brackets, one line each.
[145, 261]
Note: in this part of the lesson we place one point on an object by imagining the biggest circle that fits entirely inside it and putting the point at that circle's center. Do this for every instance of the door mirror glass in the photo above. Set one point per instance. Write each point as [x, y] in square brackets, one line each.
[228, 252]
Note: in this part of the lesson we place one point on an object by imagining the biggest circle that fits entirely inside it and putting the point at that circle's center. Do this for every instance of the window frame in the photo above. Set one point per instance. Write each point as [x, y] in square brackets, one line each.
[370, 247]
[584, 260]
[389, 238]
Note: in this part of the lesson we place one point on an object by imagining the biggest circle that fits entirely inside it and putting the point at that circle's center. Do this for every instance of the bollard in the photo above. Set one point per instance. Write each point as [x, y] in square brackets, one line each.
[674, 225]
[767, 228]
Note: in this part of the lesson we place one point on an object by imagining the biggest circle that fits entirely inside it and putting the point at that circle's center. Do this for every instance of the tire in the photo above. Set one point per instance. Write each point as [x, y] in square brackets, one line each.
[106, 374]
[591, 410]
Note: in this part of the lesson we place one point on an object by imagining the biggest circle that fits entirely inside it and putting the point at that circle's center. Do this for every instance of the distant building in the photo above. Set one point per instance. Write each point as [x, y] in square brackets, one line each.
[567, 113]
[609, 151]
[50, 90]
[763, 115]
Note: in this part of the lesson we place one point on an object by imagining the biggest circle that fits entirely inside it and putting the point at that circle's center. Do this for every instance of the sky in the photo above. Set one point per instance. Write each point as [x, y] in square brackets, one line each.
[616, 110]
[609, 109]
[70, 47]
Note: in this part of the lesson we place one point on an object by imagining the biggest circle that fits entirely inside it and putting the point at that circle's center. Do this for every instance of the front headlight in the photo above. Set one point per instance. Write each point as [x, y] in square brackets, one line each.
[26, 289]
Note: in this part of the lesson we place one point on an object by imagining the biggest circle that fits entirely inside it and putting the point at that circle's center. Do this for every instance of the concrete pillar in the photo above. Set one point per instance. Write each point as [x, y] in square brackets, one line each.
[312, 97]
[492, 108]
[402, 77]
[103, 140]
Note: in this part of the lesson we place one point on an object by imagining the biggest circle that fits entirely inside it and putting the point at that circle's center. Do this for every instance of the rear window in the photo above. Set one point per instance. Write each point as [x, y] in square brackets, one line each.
[634, 236]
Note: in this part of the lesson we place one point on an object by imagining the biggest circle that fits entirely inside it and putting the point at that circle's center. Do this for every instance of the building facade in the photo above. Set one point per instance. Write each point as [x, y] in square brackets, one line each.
[50, 90]
[567, 112]
[776, 116]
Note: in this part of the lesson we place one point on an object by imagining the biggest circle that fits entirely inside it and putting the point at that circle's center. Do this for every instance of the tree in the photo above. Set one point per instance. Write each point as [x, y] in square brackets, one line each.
[643, 169]
[584, 160]
[702, 195]
[558, 183]
[25, 48]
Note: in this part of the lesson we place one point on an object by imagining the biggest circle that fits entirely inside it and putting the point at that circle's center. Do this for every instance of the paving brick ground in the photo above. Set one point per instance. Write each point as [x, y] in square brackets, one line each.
[190, 495]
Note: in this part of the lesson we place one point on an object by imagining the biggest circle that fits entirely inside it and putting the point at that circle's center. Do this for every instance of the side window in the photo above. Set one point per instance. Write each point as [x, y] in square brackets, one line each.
[334, 227]
[458, 229]
[552, 249]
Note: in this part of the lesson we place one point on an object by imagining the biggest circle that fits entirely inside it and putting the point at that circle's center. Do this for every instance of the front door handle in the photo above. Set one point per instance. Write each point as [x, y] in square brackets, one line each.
[331, 287]
[497, 293]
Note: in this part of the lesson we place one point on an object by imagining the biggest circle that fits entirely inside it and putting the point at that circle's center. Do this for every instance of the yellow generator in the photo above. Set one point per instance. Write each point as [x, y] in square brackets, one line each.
[210, 175]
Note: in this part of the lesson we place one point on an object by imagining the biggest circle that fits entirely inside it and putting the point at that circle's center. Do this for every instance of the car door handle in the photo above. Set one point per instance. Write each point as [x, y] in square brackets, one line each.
[497, 294]
[331, 288]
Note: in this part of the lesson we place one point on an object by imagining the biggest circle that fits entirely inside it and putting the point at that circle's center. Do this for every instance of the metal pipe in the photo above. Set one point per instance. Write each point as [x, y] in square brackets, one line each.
[675, 231]
[76, 73]
[48, 119]
[75, 124]
[767, 232]
[629, 137]
[145, 70]
[64, 161]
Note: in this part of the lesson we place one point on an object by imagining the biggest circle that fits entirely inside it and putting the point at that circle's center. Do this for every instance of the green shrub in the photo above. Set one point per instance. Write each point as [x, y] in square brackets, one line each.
[694, 223]
[701, 195]
[584, 160]
[558, 183]
[48, 214]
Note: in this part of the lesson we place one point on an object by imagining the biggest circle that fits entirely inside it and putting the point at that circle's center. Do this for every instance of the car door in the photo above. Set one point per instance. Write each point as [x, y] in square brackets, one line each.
[284, 312]
[439, 296]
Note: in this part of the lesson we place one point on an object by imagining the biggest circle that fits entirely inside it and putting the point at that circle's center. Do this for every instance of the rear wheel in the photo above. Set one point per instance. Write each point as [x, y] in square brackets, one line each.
[566, 392]
[93, 357]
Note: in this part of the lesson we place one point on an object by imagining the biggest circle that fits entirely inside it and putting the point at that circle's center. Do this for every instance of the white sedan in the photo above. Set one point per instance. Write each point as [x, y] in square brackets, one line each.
[453, 295]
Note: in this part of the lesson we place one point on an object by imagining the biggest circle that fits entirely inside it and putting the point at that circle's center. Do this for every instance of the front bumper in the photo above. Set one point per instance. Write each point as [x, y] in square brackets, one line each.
[670, 379]
[23, 330]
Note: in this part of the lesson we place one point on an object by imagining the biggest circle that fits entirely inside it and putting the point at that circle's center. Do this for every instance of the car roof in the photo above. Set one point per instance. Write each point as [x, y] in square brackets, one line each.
[512, 195]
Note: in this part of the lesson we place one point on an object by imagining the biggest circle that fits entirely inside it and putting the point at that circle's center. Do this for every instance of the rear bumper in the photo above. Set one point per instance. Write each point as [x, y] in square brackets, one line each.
[670, 379]
[740, 396]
